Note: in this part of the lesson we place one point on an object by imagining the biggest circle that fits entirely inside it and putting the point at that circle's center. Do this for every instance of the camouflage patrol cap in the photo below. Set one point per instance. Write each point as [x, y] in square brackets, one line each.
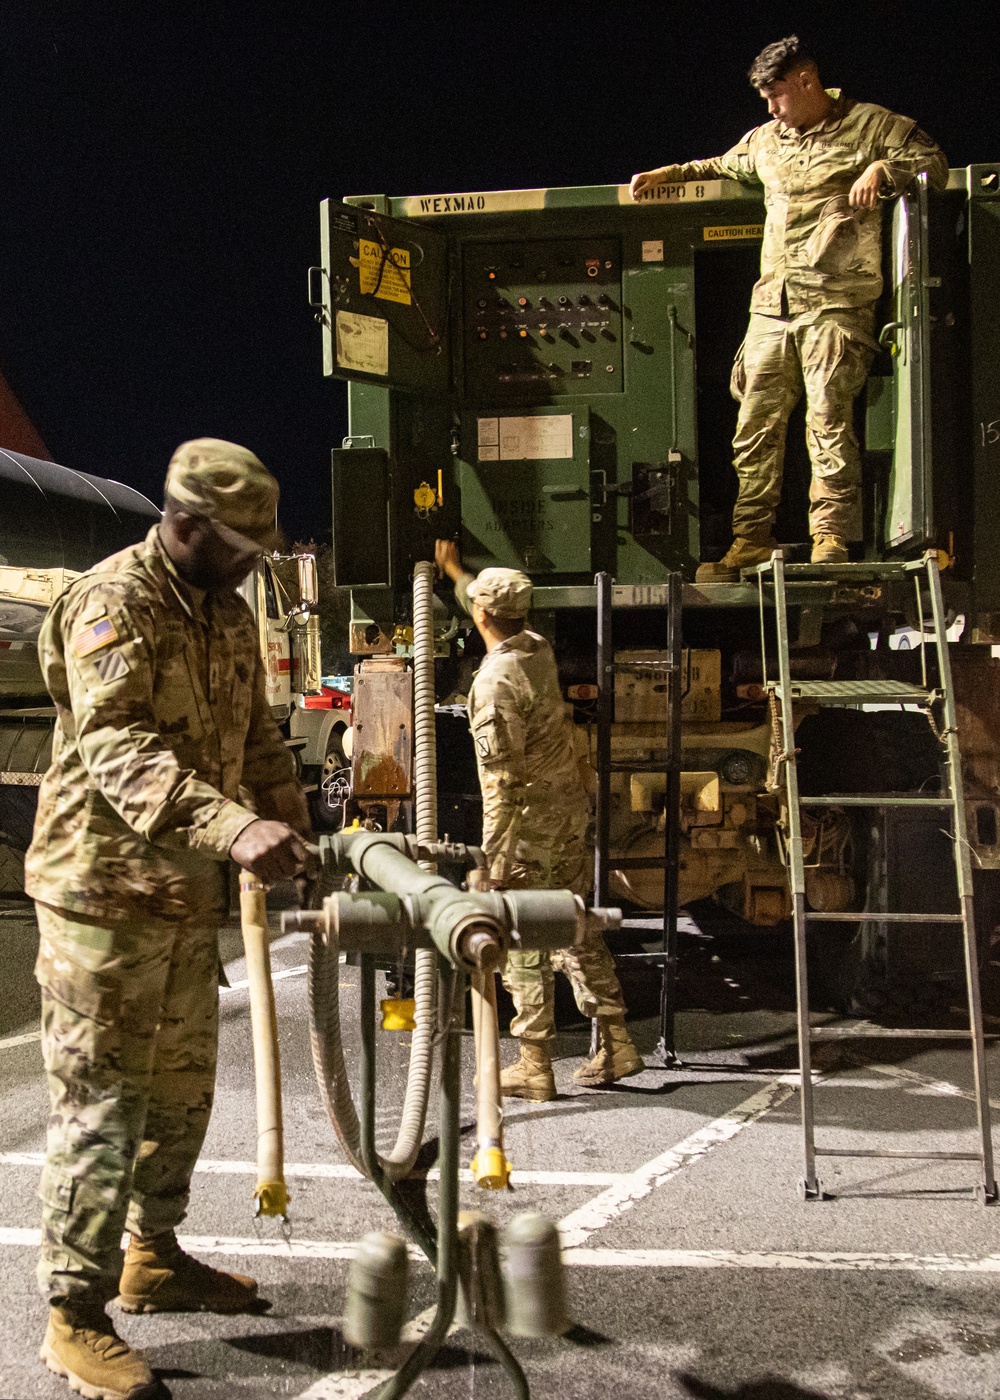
[502, 592]
[226, 484]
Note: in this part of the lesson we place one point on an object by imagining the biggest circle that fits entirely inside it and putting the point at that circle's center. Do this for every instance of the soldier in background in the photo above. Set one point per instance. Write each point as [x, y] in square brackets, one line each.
[536, 811]
[825, 161]
[152, 661]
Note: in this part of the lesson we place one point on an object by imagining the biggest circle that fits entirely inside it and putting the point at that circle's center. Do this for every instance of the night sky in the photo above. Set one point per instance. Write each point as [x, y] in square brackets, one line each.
[161, 164]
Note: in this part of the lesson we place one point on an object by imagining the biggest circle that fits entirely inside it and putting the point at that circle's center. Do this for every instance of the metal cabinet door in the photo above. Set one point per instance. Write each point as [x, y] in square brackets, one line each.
[909, 507]
[381, 297]
[525, 480]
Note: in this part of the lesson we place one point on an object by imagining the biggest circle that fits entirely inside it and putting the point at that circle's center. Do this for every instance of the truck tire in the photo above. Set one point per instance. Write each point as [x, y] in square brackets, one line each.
[17, 815]
[327, 814]
[17, 820]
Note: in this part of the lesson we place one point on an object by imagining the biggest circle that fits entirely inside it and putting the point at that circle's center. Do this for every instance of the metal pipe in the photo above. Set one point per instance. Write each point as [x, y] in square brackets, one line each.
[667, 1047]
[448, 1162]
[490, 1168]
[271, 1192]
[605, 717]
[458, 923]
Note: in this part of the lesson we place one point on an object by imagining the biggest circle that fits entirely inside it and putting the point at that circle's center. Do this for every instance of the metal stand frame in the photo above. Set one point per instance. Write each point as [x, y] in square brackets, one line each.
[924, 572]
[442, 1253]
[667, 957]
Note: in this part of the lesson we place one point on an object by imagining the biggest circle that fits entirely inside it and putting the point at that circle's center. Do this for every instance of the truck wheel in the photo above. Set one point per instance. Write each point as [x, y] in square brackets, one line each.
[328, 804]
[17, 820]
[17, 815]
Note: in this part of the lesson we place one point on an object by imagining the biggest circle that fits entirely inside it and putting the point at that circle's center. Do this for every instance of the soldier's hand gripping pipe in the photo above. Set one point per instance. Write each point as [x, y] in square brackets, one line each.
[536, 814]
[152, 661]
[825, 162]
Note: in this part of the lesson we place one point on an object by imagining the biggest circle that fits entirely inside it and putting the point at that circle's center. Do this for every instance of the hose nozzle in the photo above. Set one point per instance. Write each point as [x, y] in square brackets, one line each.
[490, 1169]
[271, 1198]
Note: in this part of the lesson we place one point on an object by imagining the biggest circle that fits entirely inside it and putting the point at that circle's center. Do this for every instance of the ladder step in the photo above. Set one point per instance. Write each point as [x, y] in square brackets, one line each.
[875, 799]
[664, 959]
[640, 765]
[858, 572]
[883, 1032]
[877, 916]
[858, 692]
[900, 1155]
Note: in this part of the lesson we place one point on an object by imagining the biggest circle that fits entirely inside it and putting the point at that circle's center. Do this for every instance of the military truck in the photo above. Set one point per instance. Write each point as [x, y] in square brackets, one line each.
[54, 524]
[543, 375]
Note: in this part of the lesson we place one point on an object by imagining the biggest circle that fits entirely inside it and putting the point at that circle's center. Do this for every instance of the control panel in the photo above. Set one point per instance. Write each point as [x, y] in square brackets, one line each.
[542, 319]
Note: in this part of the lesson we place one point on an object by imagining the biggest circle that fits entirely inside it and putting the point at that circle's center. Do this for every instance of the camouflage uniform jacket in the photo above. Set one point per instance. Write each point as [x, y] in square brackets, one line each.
[534, 799]
[162, 717]
[818, 254]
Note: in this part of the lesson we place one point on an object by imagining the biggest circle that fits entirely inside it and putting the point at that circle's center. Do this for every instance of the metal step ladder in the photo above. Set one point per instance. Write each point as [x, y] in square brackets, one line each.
[783, 692]
[666, 956]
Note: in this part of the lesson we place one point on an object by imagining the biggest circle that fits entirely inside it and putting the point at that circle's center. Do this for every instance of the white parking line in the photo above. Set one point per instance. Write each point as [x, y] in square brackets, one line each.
[242, 985]
[781, 1259]
[579, 1225]
[337, 1171]
[808, 1260]
[933, 1086]
[26, 1039]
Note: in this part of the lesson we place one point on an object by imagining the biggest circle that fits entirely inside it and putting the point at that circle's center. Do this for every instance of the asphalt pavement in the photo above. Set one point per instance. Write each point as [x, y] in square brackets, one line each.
[694, 1267]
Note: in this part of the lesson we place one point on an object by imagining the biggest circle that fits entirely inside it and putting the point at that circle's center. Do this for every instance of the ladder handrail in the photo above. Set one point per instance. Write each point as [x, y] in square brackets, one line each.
[772, 574]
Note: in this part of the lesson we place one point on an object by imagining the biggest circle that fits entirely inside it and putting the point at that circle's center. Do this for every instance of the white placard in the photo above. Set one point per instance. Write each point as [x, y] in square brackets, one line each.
[489, 439]
[528, 439]
[652, 250]
[362, 342]
[478, 202]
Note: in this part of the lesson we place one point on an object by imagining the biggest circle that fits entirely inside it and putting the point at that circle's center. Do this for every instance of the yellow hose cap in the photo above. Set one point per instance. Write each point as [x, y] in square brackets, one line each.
[271, 1198]
[490, 1169]
[399, 1014]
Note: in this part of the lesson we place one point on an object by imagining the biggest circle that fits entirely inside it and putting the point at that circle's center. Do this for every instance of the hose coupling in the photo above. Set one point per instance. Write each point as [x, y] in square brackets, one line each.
[490, 1169]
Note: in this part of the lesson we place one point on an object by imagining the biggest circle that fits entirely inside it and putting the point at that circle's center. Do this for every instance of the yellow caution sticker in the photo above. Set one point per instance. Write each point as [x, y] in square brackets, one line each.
[727, 233]
[384, 271]
[99, 634]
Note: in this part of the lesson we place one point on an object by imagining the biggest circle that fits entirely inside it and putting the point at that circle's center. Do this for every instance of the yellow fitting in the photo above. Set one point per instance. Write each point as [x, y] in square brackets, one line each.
[490, 1169]
[271, 1198]
[399, 1014]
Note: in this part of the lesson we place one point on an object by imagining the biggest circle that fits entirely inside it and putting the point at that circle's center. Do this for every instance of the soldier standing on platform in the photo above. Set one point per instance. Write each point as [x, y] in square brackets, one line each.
[825, 162]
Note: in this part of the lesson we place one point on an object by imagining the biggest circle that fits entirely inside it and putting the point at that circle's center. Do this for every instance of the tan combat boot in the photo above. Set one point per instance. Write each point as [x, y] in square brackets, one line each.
[742, 554]
[617, 1057]
[829, 549]
[82, 1346]
[530, 1077]
[159, 1277]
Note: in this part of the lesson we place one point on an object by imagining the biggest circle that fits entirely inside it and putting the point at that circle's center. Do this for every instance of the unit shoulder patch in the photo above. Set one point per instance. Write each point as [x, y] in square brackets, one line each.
[99, 634]
[111, 666]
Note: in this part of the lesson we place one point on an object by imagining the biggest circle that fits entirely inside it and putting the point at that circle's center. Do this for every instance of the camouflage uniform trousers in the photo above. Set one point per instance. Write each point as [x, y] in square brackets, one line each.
[827, 354]
[129, 1040]
[562, 860]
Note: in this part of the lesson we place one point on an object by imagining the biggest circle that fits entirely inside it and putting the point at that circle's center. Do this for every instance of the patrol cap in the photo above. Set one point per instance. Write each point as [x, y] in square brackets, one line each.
[226, 484]
[502, 592]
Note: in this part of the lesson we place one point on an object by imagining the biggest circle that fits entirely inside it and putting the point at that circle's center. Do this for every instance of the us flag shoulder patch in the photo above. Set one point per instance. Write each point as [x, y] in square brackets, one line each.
[99, 634]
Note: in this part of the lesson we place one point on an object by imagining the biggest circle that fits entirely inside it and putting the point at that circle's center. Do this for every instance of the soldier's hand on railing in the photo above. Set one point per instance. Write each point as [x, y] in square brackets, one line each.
[866, 188]
[646, 180]
[270, 850]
